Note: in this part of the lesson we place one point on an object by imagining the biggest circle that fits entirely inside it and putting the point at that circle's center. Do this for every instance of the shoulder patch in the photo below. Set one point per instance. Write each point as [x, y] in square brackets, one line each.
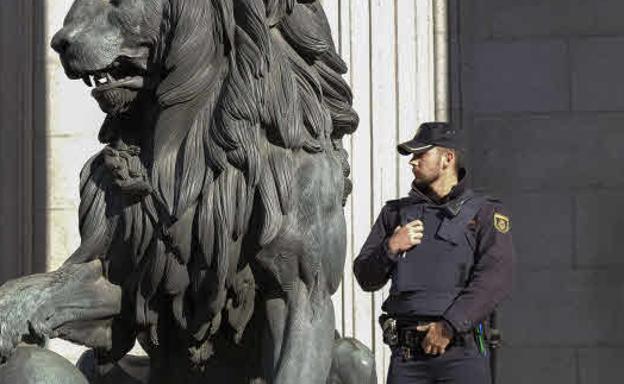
[501, 223]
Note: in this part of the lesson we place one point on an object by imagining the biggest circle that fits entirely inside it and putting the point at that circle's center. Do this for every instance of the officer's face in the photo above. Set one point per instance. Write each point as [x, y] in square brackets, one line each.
[427, 166]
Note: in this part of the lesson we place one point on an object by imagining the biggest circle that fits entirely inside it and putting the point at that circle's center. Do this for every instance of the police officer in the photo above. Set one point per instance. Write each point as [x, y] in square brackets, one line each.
[448, 252]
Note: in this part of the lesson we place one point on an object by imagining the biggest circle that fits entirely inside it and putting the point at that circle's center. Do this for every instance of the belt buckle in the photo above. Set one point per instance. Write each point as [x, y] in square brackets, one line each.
[406, 353]
[410, 338]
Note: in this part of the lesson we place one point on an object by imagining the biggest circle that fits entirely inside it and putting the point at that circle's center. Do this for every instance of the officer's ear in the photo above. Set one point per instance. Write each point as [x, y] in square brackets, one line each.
[448, 157]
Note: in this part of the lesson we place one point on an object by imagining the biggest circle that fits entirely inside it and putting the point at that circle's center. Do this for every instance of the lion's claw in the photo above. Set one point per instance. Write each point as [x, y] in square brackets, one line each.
[20, 310]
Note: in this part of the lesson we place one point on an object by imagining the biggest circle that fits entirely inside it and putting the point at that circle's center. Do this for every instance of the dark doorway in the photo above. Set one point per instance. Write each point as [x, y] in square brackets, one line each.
[22, 138]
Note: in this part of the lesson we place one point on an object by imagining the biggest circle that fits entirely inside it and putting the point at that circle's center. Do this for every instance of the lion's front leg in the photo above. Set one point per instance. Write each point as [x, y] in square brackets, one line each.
[43, 304]
[302, 336]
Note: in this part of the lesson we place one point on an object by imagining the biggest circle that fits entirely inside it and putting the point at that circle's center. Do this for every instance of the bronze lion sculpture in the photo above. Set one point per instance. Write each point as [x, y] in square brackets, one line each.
[212, 225]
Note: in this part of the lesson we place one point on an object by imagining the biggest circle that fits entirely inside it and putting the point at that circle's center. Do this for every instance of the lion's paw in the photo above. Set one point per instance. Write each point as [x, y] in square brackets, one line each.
[10, 337]
[20, 317]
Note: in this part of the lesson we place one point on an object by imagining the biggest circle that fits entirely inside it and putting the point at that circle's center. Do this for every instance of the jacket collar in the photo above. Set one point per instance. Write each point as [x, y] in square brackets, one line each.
[450, 203]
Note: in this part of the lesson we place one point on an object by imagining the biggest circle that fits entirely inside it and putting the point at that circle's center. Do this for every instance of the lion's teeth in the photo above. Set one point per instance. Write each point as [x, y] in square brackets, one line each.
[109, 78]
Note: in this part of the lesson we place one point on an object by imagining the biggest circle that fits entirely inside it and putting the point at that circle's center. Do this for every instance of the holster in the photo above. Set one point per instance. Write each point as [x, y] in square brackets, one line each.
[389, 330]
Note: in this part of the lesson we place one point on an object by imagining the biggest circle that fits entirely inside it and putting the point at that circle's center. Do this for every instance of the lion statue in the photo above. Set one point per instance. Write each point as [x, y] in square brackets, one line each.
[212, 225]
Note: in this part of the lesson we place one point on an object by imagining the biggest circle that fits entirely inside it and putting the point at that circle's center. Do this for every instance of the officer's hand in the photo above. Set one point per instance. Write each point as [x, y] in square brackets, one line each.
[438, 337]
[405, 237]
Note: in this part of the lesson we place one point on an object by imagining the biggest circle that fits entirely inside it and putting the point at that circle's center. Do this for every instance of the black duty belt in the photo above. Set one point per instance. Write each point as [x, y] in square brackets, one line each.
[412, 338]
[403, 334]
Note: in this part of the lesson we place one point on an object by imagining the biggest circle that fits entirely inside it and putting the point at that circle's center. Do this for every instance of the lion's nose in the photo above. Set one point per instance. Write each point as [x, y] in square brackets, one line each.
[60, 42]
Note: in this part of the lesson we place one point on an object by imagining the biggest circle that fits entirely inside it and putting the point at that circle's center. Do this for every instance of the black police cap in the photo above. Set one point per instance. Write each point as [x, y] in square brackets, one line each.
[429, 135]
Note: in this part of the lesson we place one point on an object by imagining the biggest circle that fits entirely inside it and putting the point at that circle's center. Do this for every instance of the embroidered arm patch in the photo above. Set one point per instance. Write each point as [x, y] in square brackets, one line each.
[501, 223]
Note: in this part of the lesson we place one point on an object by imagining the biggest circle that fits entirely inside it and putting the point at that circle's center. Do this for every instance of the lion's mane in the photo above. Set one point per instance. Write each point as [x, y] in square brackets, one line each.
[244, 89]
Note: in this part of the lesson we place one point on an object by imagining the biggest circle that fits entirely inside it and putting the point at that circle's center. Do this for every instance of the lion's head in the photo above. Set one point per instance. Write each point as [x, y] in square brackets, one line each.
[209, 103]
[108, 44]
[124, 48]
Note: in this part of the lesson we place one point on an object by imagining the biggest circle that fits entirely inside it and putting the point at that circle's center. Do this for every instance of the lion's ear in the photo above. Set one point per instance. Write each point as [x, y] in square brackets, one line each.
[226, 24]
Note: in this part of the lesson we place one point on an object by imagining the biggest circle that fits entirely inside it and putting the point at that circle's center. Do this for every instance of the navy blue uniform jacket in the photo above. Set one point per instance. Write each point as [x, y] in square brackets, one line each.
[489, 280]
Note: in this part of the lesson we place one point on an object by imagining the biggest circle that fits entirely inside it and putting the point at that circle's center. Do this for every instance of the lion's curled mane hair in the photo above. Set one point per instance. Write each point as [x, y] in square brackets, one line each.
[243, 90]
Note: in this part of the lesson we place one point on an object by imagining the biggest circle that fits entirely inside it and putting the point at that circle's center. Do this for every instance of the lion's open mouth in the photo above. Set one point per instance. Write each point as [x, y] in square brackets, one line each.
[122, 73]
[116, 87]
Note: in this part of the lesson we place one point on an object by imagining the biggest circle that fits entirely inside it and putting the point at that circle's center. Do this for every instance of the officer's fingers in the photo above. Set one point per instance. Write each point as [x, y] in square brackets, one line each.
[419, 233]
[445, 342]
[414, 236]
[414, 223]
[405, 231]
[439, 344]
[398, 227]
[428, 349]
[424, 327]
[432, 350]
[414, 241]
[414, 229]
[439, 350]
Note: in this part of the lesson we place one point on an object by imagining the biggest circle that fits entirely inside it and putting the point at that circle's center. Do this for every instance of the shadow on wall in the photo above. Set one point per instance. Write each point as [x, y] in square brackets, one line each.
[22, 138]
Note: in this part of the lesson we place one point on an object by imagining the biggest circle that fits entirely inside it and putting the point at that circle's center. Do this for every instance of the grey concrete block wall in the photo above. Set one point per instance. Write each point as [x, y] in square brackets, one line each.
[600, 219]
[540, 93]
[571, 308]
[600, 365]
[539, 81]
[548, 151]
[549, 244]
[523, 19]
[537, 366]
[596, 63]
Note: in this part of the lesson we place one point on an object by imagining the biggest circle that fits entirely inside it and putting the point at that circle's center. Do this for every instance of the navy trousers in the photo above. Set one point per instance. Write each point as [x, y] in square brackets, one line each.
[460, 364]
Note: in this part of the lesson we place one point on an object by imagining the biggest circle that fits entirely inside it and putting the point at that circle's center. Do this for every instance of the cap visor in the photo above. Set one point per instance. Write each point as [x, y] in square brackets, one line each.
[411, 148]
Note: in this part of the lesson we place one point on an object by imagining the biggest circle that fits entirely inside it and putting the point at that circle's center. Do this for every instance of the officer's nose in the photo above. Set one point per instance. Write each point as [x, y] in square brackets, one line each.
[60, 42]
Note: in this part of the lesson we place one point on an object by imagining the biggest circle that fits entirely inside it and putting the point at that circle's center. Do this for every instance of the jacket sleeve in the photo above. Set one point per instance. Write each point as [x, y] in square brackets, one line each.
[491, 277]
[374, 264]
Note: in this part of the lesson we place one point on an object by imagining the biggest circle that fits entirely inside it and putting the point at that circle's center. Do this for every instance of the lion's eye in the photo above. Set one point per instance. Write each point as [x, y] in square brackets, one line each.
[115, 2]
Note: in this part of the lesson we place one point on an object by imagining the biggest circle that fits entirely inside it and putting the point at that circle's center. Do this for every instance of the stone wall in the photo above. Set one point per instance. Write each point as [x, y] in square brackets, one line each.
[539, 88]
